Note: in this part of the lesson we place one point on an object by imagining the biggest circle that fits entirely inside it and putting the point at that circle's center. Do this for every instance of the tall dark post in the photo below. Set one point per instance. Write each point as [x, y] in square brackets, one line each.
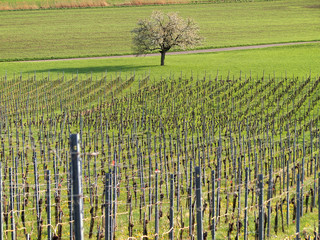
[115, 195]
[36, 190]
[315, 182]
[298, 208]
[107, 204]
[213, 223]
[199, 204]
[218, 175]
[1, 210]
[76, 185]
[318, 204]
[171, 206]
[69, 176]
[288, 178]
[156, 207]
[178, 176]
[246, 206]
[13, 228]
[261, 212]
[269, 200]
[48, 197]
[239, 195]
[190, 199]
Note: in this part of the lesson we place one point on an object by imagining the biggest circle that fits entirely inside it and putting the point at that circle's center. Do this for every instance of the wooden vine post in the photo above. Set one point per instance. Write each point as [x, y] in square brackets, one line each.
[77, 185]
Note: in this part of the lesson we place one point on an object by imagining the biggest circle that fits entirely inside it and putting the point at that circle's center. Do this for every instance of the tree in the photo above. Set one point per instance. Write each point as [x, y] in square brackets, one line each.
[163, 32]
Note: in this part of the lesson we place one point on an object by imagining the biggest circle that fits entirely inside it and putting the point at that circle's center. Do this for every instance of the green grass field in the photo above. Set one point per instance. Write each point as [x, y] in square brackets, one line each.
[297, 60]
[46, 4]
[44, 34]
[50, 4]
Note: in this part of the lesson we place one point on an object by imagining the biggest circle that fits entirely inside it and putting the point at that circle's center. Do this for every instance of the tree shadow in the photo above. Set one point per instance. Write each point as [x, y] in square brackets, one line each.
[98, 69]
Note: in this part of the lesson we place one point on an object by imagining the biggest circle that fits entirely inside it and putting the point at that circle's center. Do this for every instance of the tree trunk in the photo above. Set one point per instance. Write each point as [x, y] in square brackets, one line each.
[163, 55]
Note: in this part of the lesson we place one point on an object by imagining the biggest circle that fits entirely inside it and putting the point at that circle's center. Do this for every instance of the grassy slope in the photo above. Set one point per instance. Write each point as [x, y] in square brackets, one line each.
[45, 4]
[106, 31]
[298, 60]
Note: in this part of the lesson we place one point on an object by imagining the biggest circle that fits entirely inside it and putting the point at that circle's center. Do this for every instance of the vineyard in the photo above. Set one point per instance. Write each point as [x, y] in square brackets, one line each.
[181, 157]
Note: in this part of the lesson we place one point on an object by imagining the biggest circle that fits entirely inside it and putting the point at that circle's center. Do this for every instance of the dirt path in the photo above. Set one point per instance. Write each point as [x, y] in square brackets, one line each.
[183, 52]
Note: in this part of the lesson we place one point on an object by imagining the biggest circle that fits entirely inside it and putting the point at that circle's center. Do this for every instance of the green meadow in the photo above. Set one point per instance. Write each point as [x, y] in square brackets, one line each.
[51, 4]
[62, 33]
[293, 60]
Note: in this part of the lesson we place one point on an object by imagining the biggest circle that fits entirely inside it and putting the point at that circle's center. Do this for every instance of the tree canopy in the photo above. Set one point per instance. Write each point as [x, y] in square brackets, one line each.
[163, 32]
